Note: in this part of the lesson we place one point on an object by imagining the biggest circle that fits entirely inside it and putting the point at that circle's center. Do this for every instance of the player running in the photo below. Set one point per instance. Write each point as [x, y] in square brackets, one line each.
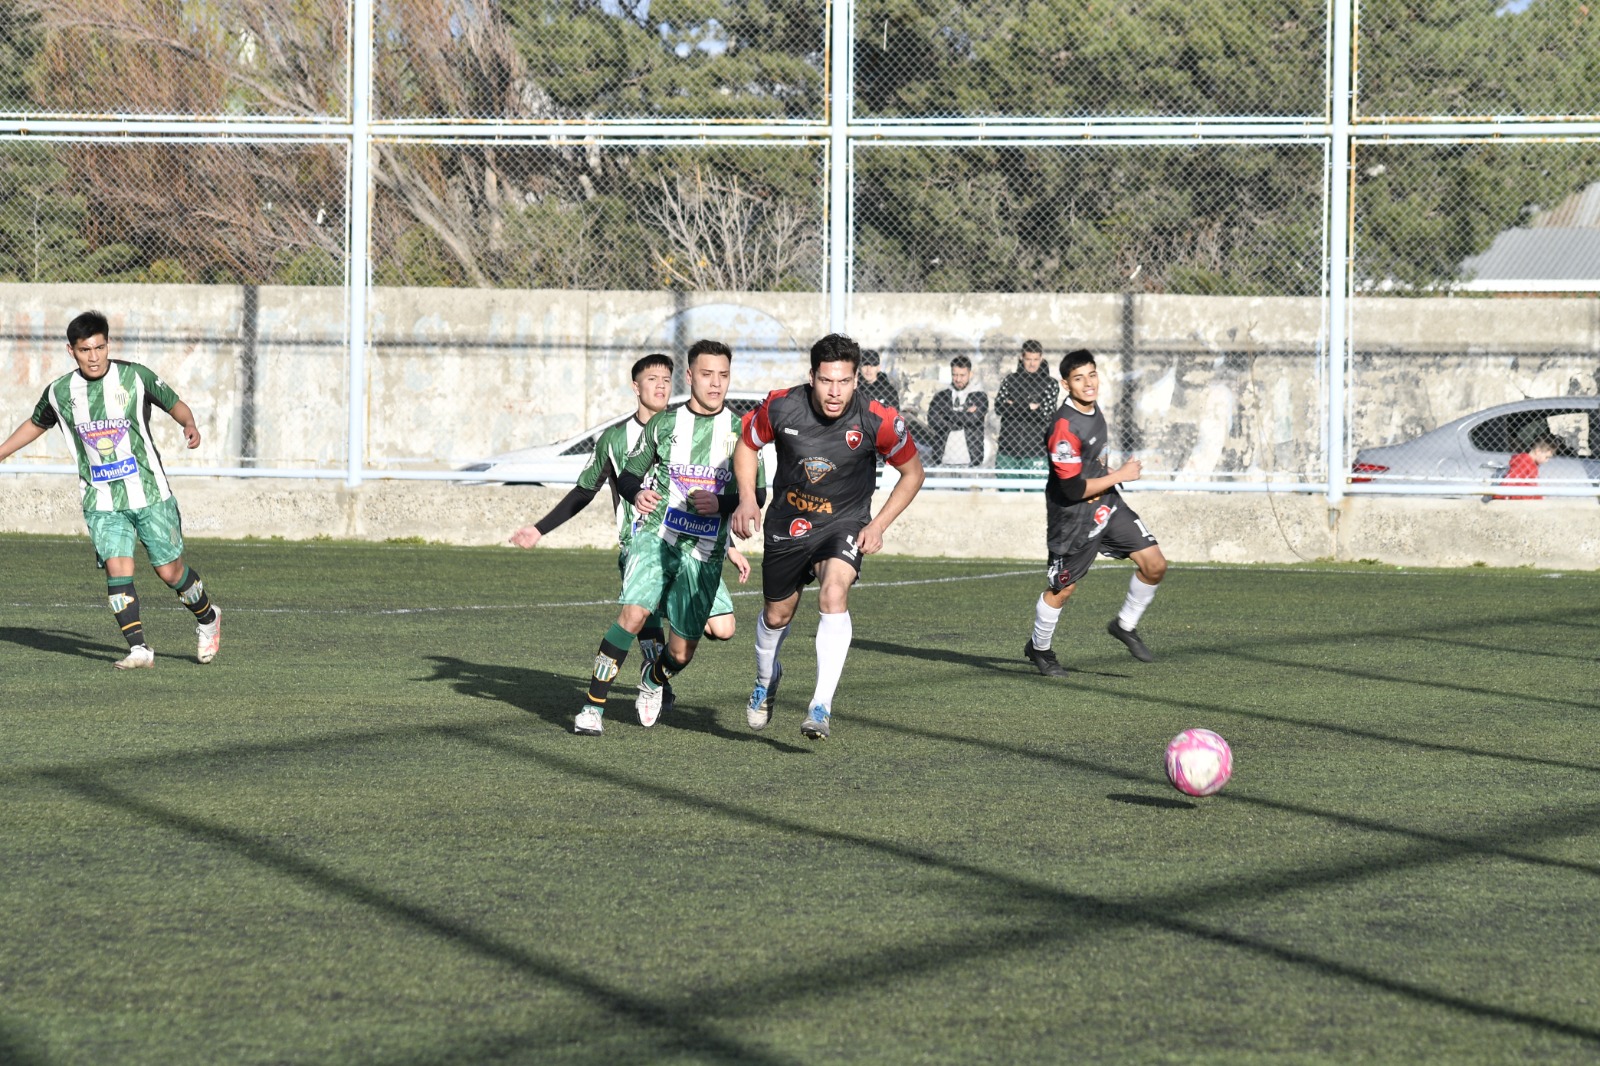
[103, 409]
[1086, 515]
[828, 437]
[680, 480]
[652, 388]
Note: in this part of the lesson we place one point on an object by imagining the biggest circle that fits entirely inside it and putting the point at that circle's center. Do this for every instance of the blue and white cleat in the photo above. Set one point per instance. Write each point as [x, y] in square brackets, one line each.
[816, 724]
[758, 712]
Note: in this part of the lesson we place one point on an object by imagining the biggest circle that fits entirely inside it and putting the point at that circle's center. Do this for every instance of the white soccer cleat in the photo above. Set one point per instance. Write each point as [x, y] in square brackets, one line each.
[140, 657]
[648, 702]
[588, 722]
[210, 636]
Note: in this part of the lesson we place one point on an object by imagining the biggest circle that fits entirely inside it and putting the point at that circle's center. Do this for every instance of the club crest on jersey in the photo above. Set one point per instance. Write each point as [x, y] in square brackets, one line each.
[853, 437]
[817, 468]
[799, 527]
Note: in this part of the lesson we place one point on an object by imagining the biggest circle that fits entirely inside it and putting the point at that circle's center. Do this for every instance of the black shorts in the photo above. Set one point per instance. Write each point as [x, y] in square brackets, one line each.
[789, 565]
[1112, 529]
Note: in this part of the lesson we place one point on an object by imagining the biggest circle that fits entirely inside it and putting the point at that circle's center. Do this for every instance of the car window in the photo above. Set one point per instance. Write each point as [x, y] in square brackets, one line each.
[584, 446]
[1515, 432]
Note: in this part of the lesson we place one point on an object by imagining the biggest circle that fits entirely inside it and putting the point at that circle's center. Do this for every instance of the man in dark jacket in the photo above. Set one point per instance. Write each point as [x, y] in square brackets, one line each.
[957, 415]
[1026, 404]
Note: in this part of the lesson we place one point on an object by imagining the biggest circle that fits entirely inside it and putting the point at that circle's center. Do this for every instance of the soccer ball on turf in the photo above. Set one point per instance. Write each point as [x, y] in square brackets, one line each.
[1199, 762]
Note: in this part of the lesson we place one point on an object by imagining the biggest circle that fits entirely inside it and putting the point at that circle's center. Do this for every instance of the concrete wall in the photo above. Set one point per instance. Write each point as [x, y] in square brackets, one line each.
[1192, 527]
[1203, 387]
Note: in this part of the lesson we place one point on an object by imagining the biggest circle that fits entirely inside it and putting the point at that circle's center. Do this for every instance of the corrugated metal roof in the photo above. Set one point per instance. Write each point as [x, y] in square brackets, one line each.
[1547, 254]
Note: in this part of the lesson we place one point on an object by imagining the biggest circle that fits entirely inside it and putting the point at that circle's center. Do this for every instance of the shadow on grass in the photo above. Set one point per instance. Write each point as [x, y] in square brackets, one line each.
[557, 699]
[61, 642]
[1008, 664]
[1138, 800]
[17, 1049]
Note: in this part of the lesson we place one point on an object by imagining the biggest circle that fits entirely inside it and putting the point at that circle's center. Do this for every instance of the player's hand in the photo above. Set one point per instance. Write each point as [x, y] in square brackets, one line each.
[745, 517]
[870, 539]
[705, 502]
[526, 537]
[1131, 470]
[646, 501]
[740, 563]
[191, 435]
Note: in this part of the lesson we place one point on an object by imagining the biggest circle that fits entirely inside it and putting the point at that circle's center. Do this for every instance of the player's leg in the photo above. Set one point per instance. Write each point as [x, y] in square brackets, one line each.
[1059, 585]
[160, 529]
[721, 625]
[687, 604]
[642, 586]
[784, 572]
[835, 574]
[114, 536]
[1126, 535]
[651, 636]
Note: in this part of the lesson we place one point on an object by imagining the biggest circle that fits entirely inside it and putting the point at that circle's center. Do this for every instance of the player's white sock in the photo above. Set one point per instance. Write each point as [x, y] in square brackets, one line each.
[768, 643]
[1139, 597]
[1045, 618]
[833, 644]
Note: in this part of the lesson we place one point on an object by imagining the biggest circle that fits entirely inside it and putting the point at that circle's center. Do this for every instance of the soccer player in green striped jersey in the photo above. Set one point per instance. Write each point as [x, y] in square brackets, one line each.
[104, 409]
[652, 389]
[680, 480]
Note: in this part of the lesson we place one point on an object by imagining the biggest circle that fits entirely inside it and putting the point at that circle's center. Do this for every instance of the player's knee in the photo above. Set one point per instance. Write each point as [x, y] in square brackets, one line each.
[1153, 570]
[720, 628]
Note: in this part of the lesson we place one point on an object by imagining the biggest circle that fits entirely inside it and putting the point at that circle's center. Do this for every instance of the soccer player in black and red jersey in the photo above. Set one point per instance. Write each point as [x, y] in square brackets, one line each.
[828, 436]
[1087, 516]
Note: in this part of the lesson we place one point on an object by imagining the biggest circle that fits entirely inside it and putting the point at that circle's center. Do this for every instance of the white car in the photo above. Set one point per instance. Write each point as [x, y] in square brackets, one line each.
[561, 463]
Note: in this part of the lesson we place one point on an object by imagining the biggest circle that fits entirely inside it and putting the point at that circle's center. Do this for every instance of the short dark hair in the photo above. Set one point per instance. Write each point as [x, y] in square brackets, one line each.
[705, 347]
[1547, 440]
[962, 362]
[835, 348]
[869, 357]
[87, 325]
[1032, 346]
[653, 359]
[1074, 359]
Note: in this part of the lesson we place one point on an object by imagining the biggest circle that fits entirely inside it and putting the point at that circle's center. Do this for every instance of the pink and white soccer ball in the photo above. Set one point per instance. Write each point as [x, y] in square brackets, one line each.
[1199, 762]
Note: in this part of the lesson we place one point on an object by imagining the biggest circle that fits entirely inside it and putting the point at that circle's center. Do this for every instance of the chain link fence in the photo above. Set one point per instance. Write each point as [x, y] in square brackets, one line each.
[1276, 287]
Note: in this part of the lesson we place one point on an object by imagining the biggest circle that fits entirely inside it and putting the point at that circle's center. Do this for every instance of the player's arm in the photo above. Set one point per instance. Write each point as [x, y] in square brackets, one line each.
[184, 417]
[1066, 484]
[594, 474]
[20, 438]
[905, 490]
[630, 479]
[756, 434]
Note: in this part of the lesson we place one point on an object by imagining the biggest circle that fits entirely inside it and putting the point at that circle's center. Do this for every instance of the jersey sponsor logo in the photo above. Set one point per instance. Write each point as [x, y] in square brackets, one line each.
[817, 468]
[801, 501]
[791, 431]
[691, 476]
[118, 471]
[691, 525]
[853, 437]
[799, 527]
[1102, 515]
[102, 436]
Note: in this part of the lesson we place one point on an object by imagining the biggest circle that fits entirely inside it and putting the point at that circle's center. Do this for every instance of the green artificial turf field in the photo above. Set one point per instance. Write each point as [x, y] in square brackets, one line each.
[366, 834]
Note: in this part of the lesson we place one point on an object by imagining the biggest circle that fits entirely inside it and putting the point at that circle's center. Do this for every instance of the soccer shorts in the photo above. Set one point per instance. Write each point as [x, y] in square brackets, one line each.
[1112, 529]
[671, 581]
[790, 564]
[724, 600]
[158, 527]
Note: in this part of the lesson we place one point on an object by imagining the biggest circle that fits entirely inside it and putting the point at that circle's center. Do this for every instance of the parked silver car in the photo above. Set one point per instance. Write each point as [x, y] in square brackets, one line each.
[1476, 449]
[561, 463]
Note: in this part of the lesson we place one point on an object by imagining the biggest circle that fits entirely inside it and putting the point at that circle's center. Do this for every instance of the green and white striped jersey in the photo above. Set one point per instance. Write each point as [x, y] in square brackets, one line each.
[611, 453]
[678, 453]
[107, 425]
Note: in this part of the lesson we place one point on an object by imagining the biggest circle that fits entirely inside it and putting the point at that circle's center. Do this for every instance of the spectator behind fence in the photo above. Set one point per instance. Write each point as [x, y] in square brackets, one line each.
[1026, 404]
[875, 385]
[1524, 469]
[955, 419]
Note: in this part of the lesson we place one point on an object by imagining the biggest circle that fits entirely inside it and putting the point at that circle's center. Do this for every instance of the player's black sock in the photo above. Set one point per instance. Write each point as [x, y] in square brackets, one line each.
[192, 592]
[665, 668]
[125, 606]
[607, 662]
[651, 638]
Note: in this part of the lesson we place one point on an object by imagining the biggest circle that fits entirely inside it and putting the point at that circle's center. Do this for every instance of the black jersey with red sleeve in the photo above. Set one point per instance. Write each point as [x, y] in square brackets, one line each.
[826, 469]
[1077, 446]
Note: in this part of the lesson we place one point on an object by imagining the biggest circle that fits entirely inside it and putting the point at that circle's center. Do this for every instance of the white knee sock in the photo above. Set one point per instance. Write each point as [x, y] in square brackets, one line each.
[833, 644]
[768, 643]
[1045, 618]
[1139, 597]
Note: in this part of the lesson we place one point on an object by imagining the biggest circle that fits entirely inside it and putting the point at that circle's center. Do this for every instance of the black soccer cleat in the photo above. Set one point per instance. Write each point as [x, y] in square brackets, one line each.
[1130, 637]
[1043, 661]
